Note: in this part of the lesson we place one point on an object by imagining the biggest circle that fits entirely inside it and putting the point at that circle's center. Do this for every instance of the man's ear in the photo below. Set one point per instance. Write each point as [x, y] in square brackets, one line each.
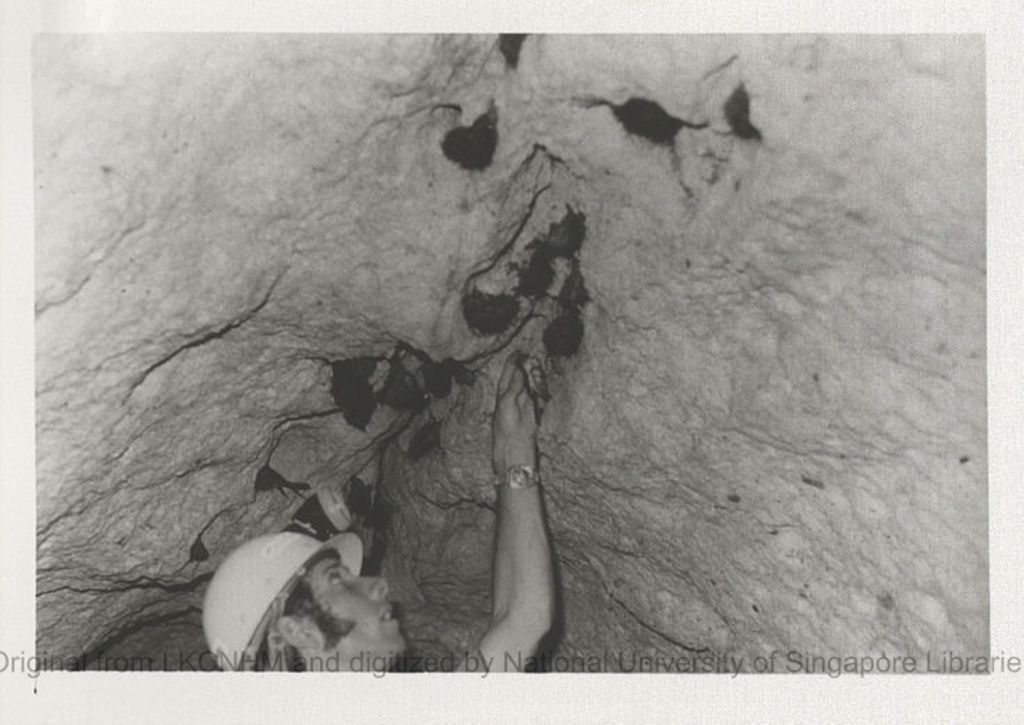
[300, 633]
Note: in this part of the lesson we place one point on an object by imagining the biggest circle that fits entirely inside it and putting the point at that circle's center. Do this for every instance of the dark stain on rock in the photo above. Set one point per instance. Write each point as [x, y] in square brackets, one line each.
[649, 120]
[754, 607]
[472, 147]
[267, 479]
[815, 377]
[401, 391]
[426, 440]
[564, 335]
[437, 379]
[886, 601]
[350, 388]
[733, 497]
[855, 215]
[510, 44]
[106, 169]
[737, 114]
[488, 314]
[812, 482]
[964, 459]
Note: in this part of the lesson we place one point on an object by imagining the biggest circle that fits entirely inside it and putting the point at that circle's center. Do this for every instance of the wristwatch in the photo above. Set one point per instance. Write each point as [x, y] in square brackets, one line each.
[520, 476]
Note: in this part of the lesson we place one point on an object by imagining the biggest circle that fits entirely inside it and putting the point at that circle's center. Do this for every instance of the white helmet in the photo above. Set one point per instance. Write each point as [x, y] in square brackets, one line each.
[251, 585]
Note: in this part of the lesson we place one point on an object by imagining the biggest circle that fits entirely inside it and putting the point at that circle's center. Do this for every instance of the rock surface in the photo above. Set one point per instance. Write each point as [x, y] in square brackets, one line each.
[772, 436]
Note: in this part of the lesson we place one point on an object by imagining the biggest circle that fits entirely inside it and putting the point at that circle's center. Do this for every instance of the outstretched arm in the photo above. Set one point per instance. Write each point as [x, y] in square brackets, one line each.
[523, 583]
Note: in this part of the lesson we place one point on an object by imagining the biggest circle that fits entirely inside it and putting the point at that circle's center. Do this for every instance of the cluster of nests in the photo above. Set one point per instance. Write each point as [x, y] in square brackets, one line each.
[472, 147]
[551, 255]
[409, 382]
[412, 379]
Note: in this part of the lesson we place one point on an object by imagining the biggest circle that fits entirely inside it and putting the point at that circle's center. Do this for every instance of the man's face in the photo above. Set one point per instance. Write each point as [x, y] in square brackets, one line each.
[362, 601]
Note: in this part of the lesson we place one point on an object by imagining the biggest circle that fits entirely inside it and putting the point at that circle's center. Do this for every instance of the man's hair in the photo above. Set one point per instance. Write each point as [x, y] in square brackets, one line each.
[274, 653]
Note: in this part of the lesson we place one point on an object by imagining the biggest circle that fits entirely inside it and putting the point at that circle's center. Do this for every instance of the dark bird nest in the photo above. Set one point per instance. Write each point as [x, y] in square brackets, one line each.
[510, 44]
[488, 314]
[350, 388]
[737, 114]
[472, 147]
[565, 333]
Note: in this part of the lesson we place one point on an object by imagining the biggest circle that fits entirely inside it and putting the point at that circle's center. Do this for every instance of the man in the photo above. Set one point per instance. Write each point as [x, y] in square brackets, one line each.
[288, 601]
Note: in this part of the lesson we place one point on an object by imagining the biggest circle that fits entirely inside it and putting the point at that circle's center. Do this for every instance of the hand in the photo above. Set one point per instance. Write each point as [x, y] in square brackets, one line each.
[514, 427]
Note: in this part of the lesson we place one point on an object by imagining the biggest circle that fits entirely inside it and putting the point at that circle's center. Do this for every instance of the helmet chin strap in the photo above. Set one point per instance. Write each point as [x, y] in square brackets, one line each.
[277, 649]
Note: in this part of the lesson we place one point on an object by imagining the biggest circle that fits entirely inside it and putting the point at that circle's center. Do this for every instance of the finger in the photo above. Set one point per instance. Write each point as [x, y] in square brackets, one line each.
[508, 373]
[535, 378]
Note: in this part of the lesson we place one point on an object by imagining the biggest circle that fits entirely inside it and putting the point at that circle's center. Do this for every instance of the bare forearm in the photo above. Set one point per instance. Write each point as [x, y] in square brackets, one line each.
[523, 583]
[523, 579]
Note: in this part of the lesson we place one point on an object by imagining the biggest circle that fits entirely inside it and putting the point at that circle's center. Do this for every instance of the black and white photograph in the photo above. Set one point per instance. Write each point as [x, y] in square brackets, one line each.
[541, 353]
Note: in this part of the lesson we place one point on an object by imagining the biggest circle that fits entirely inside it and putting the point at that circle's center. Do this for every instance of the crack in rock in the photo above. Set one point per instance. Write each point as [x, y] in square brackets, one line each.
[120, 586]
[215, 334]
[651, 628]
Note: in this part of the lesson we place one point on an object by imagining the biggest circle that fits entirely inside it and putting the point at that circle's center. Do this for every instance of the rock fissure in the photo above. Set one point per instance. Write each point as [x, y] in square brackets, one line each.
[120, 586]
[671, 639]
[215, 334]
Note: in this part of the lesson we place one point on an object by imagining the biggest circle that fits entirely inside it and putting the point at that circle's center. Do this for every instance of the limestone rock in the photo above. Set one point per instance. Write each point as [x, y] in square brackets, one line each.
[772, 435]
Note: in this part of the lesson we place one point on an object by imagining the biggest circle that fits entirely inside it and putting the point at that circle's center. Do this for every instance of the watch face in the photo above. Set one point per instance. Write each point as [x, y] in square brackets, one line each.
[520, 476]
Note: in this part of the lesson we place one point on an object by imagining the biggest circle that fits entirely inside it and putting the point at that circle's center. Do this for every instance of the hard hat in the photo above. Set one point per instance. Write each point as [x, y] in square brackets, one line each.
[249, 589]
